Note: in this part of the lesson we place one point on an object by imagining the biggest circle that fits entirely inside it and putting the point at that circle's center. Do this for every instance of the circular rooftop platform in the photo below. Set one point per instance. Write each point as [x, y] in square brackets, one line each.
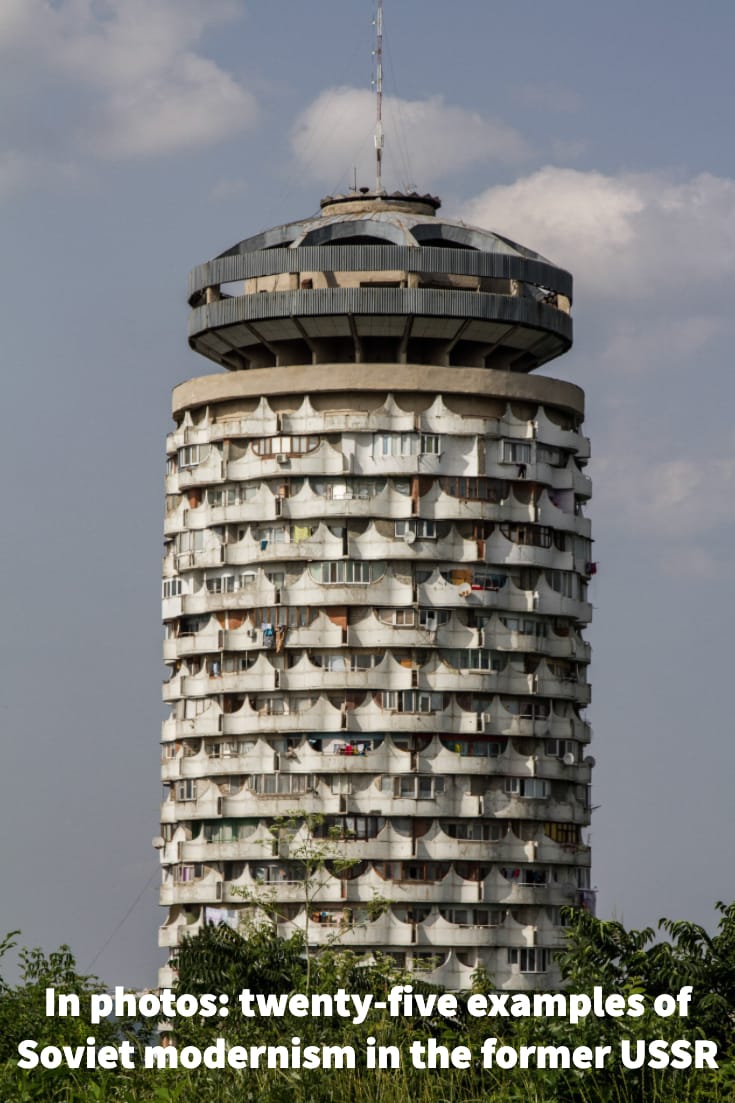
[371, 277]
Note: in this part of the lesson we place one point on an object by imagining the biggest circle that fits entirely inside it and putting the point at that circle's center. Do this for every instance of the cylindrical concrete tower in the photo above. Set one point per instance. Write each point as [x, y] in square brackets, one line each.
[374, 588]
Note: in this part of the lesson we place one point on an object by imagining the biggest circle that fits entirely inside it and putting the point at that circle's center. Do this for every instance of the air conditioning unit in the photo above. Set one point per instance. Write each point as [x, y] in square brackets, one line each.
[282, 458]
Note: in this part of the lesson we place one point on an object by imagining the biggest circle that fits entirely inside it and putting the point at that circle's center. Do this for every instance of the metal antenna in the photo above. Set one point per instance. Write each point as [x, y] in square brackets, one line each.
[379, 137]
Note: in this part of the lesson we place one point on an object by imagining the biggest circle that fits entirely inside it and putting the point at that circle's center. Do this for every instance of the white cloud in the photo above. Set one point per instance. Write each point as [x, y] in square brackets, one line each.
[626, 236]
[653, 259]
[334, 133]
[145, 87]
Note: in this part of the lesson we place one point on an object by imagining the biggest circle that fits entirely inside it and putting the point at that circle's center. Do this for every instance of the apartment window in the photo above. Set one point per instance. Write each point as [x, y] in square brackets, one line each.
[513, 451]
[188, 873]
[341, 785]
[412, 786]
[283, 616]
[273, 534]
[222, 584]
[400, 618]
[474, 917]
[526, 626]
[171, 465]
[553, 456]
[348, 572]
[189, 541]
[531, 959]
[419, 527]
[566, 834]
[187, 789]
[475, 489]
[287, 445]
[431, 619]
[351, 827]
[230, 748]
[558, 748]
[190, 456]
[475, 658]
[223, 495]
[475, 831]
[280, 785]
[566, 583]
[430, 444]
[173, 587]
[487, 580]
[536, 536]
[411, 700]
[394, 444]
[531, 787]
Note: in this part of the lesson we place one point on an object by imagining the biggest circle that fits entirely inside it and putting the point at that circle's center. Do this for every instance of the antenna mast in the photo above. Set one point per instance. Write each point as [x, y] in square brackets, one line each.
[379, 137]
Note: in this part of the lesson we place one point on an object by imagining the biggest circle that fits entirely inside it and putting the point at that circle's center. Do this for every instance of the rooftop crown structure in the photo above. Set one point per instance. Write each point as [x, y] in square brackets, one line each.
[374, 588]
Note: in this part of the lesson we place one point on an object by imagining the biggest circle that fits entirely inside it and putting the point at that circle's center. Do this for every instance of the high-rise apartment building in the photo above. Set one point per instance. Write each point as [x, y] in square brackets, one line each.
[375, 582]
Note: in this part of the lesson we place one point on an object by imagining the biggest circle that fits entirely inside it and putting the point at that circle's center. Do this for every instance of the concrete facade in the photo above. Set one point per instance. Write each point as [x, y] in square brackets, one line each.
[374, 591]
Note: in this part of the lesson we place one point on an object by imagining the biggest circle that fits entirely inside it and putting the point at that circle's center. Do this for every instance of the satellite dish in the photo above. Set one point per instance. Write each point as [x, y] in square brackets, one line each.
[569, 759]
[409, 536]
[590, 761]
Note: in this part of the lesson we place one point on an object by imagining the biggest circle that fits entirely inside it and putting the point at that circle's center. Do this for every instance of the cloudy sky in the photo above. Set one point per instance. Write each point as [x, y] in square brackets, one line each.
[141, 137]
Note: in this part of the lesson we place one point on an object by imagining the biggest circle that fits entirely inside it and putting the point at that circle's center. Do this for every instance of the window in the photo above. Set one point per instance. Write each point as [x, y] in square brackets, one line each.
[223, 584]
[487, 580]
[411, 700]
[284, 616]
[172, 587]
[272, 534]
[431, 619]
[352, 827]
[341, 785]
[553, 456]
[532, 787]
[171, 465]
[566, 834]
[186, 790]
[514, 451]
[189, 541]
[189, 873]
[531, 959]
[536, 536]
[526, 626]
[288, 445]
[474, 917]
[348, 572]
[400, 618]
[230, 749]
[281, 784]
[567, 584]
[394, 444]
[558, 748]
[475, 489]
[475, 658]
[189, 456]
[412, 786]
[223, 495]
[475, 830]
[429, 444]
[420, 528]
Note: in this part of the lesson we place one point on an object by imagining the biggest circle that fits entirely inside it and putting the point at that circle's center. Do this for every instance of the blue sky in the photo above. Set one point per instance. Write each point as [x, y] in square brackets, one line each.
[139, 138]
